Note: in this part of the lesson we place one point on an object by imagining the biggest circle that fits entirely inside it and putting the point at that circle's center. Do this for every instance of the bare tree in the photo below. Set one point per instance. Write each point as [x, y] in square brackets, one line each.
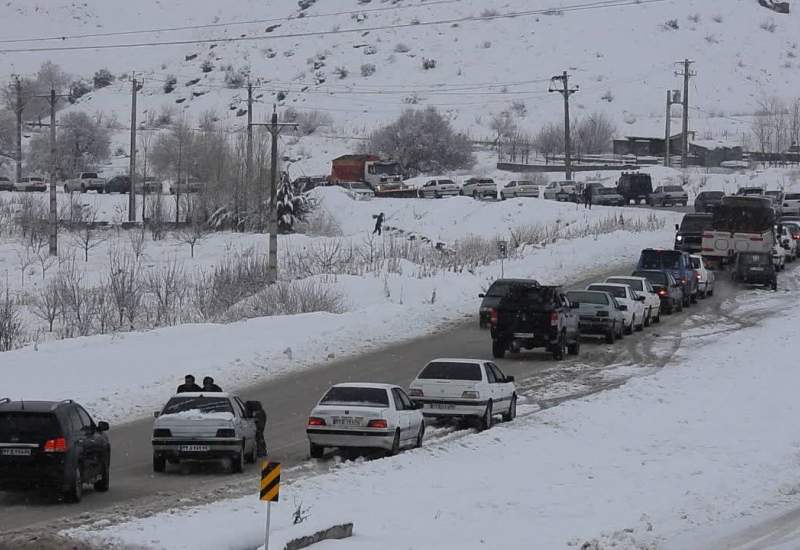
[87, 237]
[25, 259]
[167, 286]
[503, 125]
[594, 134]
[10, 323]
[47, 304]
[194, 232]
[125, 285]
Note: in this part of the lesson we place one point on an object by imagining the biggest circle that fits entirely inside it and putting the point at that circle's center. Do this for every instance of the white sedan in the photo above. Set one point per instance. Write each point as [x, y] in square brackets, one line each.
[626, 296]
[705, 277]
[642, 287]
[436, 189]
[365, 416]
[519, 188]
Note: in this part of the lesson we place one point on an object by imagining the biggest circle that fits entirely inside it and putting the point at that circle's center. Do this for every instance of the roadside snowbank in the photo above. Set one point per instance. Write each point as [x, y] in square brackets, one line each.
[701, 442]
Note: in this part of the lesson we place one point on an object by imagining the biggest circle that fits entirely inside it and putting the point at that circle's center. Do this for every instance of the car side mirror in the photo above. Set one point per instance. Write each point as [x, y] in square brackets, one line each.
[156, 414]
[677, 227]
[640, 298]
[481, 295]
[509, 379]
[103, 426]
[622, 307]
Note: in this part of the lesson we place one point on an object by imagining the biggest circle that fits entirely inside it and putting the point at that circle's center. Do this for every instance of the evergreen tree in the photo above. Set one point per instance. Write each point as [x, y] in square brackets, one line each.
[291, 207]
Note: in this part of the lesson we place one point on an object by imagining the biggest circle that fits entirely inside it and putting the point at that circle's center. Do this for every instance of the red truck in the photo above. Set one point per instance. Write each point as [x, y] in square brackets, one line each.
[384, 177]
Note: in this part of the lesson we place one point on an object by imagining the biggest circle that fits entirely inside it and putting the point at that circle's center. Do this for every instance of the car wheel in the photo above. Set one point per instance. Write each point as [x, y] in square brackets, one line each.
[159, 463]
[75, 491]
[647, 317]
[775, 284]
[498, 349]
[693, 298]
[395, 450]
[559, 349]
[512, 410]
[475, 195]
[640, 326]
[420, 436]
[575, 347]
[711, 292]
[612, 334]
[101, 485]
[83, 188]
[488, 417]
[629, 328]
[66, 189]
[316, 451]
[253, 455]
[237, 462]
[657, 318]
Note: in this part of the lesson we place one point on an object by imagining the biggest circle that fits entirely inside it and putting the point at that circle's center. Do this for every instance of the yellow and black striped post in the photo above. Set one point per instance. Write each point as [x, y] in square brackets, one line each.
[270, 490]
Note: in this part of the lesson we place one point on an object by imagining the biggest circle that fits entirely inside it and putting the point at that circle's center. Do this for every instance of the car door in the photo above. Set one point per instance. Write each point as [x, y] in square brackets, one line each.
[413, 413]
[93, 443]
[403, 416]
[504, 390]
[570, 314]
[246, 424]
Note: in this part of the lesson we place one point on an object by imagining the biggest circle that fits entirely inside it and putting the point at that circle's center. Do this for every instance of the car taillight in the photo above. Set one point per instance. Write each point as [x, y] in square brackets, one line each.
[314, 421]
[162, 432]
[493, 317]
[554, 319]
[377, 424]
[226, 432]
[663, 292]
[682, 280]
[698, 276]
[470, 395]
[57, 445]
[414, 392]
[796, 237]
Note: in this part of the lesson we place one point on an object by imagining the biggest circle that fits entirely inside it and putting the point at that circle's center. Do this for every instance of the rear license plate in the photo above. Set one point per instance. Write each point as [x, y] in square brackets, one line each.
[443, 406]
[195, 448]
[15, 452]
[346, 421]
[523, 335]
[756, 269]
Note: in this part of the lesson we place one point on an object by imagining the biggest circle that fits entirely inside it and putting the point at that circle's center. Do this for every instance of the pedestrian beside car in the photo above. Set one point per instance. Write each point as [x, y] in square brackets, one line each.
[588, 195]
[209, 385]
[261, 423]
[188, 385]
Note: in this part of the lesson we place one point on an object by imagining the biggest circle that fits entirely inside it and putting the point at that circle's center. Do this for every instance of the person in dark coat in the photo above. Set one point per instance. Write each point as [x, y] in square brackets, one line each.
[188, 385]
[378, 224]
[209, 385]
[588, 194]
[261, 423]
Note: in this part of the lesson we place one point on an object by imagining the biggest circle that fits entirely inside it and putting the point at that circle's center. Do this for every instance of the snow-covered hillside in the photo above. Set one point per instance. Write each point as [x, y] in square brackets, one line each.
[622, 55]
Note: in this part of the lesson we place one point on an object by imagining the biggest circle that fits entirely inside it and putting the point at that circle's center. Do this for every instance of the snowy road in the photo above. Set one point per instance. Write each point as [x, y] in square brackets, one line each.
[542, 383]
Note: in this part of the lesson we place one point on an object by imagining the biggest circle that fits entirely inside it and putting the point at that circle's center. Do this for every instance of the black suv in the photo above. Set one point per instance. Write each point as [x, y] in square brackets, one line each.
[54, 445]
[492, 298]
[634, 186]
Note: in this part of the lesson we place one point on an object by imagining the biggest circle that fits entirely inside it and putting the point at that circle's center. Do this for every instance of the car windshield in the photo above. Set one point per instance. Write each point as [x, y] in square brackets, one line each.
[89, 175]
[774, 193]
[23, 426]
[486, 181]
[633, 283]
[355, 396]
[674, 188]
[695, 224]
[606, 191]
[586, 297]
[446, 182]
[499, 289]
[710, 195]
[755, 259]
[792, 196]
[742, 219]
[655, 277]
[204, 405]
[441, 370]
[660, 259]
[615, 291]
[531, 295]
[696, 263]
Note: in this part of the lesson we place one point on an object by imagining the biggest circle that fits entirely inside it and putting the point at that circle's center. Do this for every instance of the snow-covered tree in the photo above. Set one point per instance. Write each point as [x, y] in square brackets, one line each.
[291, 207]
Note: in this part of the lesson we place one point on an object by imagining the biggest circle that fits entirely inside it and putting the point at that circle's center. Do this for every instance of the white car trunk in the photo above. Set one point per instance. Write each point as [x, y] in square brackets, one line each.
[444, 388]
[346, 415]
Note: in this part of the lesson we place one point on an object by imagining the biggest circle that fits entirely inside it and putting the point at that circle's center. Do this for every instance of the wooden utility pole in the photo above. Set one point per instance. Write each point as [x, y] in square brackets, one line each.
[248, 172]
[52, 99]
[132, 190]
[566, 92]
[19, 109]
[686, 73]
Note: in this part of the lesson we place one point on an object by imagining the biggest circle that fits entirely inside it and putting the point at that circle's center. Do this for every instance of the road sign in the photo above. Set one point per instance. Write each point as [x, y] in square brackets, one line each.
[502, 248]
[270, 481]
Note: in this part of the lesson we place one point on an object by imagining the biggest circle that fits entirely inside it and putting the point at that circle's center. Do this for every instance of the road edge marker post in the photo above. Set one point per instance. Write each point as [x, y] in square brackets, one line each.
[270, 488]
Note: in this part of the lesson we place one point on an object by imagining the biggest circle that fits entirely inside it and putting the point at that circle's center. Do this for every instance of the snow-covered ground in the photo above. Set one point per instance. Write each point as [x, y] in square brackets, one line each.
[657, 463]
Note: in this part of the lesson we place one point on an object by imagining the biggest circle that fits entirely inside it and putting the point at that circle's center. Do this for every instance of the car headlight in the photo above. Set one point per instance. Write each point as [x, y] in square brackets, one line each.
[226, 432]
[162, 432]
[679, 238]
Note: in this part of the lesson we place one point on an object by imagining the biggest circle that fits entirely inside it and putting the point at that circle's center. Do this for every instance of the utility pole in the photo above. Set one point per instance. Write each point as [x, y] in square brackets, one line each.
[686, 73]
[19, 108]
[132, 190]
[248, 173]
[673, 96]
[52, 99]
[274, 129]
[566, 92]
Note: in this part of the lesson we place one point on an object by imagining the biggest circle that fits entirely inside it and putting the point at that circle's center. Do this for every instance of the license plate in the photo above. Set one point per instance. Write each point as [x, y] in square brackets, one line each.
[346, 421]
[16, 452]
[444, 406]
[195, 448]
[523, 335]
[756, 269]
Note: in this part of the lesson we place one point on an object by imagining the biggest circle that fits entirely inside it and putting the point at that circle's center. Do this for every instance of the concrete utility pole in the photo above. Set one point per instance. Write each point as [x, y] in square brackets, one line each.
[52, 99]
[673, 96]
[566, 92]
[19, 108]
[686, 73]
[248, 172]
[274, 128]
[132, 190]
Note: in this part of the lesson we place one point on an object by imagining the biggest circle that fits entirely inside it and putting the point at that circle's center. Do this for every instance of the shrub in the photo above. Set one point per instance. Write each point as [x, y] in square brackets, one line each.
[102, 78]
[236, 78]
[488, 13]
[671, 25]
[401, 48]
[367, 69]
[78, 89]
[288, 298]
[170, 84]
[207, 66]
[428, 64]
[341, 72]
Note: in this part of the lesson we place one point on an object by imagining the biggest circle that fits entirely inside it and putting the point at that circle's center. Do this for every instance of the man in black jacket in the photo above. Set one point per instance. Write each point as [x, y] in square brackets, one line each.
[188, 385]
[260, 416]
[209, 385]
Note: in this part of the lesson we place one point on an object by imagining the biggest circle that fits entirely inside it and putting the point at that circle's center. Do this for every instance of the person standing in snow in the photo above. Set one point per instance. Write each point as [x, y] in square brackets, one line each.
[209, 385]
[261, 423]
[378, 224]
[188, 385]
[588, 192]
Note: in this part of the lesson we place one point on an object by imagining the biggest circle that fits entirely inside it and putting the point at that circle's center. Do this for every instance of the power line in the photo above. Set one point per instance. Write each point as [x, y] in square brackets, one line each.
[570, 8]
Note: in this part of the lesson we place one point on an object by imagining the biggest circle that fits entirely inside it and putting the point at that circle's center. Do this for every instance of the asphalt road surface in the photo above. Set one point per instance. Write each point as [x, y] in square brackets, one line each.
[289, 399]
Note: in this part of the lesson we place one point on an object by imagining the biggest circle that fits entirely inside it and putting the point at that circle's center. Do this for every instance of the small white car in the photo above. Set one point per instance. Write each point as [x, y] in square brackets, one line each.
[625, 295]
[706, 279]
[779, 255]
[519, 188]
[204, 426]
[358, 190]
[365, 416]
[436, 189]
[465, 388]
[788, 241]
[791, 204]
[32, 183]
[562, 191]
[478, 188]
[642, 287]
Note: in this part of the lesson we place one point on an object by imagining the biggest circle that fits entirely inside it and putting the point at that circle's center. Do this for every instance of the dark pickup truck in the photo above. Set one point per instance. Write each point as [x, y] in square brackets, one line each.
[534, 316]
[689, 234]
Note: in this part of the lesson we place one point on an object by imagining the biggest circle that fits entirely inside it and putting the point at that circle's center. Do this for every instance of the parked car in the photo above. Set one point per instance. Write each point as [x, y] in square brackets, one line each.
[491, 299]
[786, 238]
[607, 196]
[479, 188]
[204, 426]
[635, 187]
[149, 186]
[366, 416]
[634, 314]
[358, 190]
[534, 316]
[779, 255]
[706, 201]
[31, 183]
[642, 287]
[668, 195]
[86, 181]
[436, 189]
[689, 234]
[519, 188]
[561, 191]
[54, 445]
[5, 184]
[669, 290]
[706, 279]
[307, 183]
[791, 204]
[599, 313]
[750, 191]
[676, 263]
[118, 184]
[186, 187]
[755, 268]
[465, 388]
